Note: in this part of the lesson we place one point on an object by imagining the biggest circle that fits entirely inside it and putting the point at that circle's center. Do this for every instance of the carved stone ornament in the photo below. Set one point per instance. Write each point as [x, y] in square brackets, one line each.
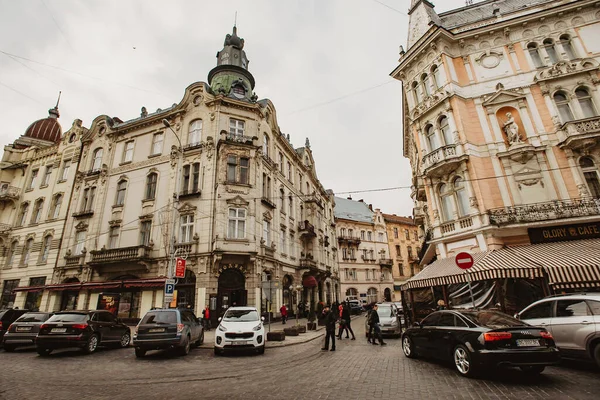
[82, 226]
[187, 209]
[224, 267]
[511, 129]
[237, 201]
[473, 202]
[490, 59]
[210, 147]
[566, 67]
[583, 190]
[436, 215]
[115, 222]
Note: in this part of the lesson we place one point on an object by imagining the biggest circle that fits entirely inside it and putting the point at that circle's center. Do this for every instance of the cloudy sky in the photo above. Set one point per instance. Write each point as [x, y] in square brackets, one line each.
[325, 64]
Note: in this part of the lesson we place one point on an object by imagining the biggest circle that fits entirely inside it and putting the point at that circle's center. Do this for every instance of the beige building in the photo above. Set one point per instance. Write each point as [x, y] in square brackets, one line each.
[215, 174]
[405, 246]
[36, 177]
[363, 252]
[501, 127]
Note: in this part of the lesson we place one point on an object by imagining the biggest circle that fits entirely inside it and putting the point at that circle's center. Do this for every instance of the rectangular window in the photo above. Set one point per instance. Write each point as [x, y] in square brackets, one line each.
[34, 299]
[347, 274]
[264, 186]
[364, 254]
[409, 251]
[231, 169]
[238, 173]
[407, 234]
[292, 246]
[368, 275]
[369, 236]
[237, 223]
[244, 170]
[145, 231]
[381, 237]
[281, 161]
[79, 242]
[113, 237]
[398, 251]
[282, 242]
[291, 206]
[46, 243]
[157, 143]
[290, 172]
[415, 236]
[34, 175]
[187, 228]
[344, 253]
[8, 296]
[128, 152]
[195, 177]
[56, 206]
[396, 233]
[267, 233]
[300, 182]
[46, 179]
[236, 127]
[65, 171]
[362, 235]
[400, 270]
[186, 178]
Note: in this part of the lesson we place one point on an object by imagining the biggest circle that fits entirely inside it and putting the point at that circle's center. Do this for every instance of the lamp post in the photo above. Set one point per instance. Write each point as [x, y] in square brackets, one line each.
[175, 204]
[298, 289]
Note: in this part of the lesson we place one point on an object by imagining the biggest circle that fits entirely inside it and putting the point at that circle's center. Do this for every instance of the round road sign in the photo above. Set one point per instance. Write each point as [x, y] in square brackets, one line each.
[464, 260]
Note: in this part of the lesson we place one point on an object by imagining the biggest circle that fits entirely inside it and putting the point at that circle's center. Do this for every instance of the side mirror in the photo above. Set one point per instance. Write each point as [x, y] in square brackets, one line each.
[516, 315]
[417, 325]
[220, 319]
[262, 319]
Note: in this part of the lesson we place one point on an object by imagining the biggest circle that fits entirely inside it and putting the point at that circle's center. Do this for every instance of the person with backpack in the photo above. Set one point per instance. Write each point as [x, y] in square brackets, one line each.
[374, 326]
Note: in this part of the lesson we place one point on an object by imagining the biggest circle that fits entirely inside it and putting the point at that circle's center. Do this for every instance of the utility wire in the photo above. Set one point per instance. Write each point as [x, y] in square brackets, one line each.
[31, 69]
[21, 93]
[391, 8]
[58, 26]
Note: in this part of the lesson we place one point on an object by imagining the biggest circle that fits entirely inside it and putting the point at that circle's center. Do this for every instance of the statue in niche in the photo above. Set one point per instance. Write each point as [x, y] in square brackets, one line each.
[511, 129]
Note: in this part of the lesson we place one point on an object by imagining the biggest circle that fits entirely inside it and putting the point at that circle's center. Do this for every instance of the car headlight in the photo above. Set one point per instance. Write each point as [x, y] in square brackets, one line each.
[394, 323]
[222, 328]
[257, 328]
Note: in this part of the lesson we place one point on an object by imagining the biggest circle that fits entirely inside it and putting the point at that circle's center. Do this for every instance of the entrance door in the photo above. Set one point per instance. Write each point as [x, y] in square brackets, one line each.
[231, 292]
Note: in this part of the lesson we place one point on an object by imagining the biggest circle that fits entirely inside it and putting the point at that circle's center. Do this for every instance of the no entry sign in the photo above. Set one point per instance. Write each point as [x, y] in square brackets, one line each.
[464, 260]
[180, 268]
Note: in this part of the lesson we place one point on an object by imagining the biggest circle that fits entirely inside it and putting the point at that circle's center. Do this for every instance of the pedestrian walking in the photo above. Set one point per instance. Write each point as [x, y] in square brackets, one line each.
[370, 327]
[206, 318]
[284, 314]
[330, 319]
[345, 318]
[340, 310]
[376, 327]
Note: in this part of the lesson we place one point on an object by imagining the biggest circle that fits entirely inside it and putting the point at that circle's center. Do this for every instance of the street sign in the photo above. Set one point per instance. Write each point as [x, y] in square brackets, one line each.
[169, 290]
[179, 268]
[464, 260]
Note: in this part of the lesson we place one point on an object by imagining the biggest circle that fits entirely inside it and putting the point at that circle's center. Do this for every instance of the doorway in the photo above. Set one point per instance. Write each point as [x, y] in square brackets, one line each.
[231, 292]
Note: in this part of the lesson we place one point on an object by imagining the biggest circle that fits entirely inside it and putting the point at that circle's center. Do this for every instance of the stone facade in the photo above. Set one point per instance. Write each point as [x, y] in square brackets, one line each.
[405, 246]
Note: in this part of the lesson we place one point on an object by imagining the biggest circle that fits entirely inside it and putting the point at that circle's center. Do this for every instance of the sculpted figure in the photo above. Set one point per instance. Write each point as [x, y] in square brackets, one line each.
[511, 129]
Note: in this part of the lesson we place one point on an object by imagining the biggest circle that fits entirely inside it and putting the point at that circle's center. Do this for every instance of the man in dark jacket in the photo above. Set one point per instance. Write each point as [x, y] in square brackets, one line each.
[330, 319]
[374, 323]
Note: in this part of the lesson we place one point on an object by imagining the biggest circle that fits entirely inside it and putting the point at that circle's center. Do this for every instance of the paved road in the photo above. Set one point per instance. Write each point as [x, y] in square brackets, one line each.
[356, 370]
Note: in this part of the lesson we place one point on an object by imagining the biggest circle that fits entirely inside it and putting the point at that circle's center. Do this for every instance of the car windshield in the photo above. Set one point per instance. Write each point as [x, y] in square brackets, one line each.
[2, 313]
[385, 311]
[240, 315]
[68, 318]
[32, 317]
[492, 319]
[160, 318]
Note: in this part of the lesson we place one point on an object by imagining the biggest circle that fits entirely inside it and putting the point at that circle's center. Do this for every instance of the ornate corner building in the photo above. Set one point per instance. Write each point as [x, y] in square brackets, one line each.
[501, 127]
[213, 173]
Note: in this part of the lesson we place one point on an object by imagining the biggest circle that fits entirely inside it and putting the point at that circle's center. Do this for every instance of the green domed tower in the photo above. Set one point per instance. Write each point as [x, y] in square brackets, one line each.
[231, 76]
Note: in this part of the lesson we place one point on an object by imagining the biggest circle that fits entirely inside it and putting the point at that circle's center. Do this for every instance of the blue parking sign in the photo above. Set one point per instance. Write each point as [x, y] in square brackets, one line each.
[169, 288]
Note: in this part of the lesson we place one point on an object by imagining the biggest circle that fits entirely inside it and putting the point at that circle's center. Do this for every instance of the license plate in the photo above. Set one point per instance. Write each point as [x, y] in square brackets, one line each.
[156, 330]
[58, 330]
[528, 342]
[23, 328]
[240, 343]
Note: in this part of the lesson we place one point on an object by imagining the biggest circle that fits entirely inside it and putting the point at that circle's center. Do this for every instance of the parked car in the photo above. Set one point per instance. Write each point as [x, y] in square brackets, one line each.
[85, 330]
[573, 320]
[24, 330]
[400, 311]
[7, 317]
[355, 306]
[168, 329]
[477, 340]
[389, 320]
[240, 328]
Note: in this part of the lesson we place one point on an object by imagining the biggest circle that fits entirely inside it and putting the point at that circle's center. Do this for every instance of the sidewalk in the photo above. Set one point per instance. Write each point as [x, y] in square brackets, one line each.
[209, 337]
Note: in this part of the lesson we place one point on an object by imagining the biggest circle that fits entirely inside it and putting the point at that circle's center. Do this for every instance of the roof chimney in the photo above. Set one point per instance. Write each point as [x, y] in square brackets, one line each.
[371, 207]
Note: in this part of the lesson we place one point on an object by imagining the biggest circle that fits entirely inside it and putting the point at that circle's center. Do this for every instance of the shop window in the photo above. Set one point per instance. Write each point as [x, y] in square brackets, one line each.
[8, 296]
[34, 299]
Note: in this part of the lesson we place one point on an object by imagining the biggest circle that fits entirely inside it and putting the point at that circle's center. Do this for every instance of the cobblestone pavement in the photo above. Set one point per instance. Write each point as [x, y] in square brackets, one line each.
[357, 370]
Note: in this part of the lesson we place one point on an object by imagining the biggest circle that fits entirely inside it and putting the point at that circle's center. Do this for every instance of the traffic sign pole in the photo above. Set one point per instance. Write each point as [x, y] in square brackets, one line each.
[465, 261]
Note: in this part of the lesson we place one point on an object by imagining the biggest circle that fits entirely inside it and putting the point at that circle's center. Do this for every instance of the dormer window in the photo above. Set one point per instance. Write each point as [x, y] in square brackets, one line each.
[238, 91]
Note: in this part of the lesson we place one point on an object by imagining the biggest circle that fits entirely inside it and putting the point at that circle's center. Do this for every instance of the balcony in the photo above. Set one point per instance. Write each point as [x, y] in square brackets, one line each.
[308, 262]
[93, 172]
[192, 146]
[268, 202]
[350, 240]
[230, 137]
[386, 262]
[418, 189]
[120, 255]
[455, 226]
[306, 230]
[83, 214]
[74, 261]
[419, 214]
[10, 193]
[190, 193]
[443, 160]
[546, 211]
[270, 163]
[580, 134]
[5, 228]
[312, 198]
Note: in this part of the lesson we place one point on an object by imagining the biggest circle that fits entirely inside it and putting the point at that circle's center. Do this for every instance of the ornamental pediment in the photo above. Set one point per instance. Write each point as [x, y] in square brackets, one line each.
[187, 208]
[565, 68]
[502, 97]
[238, 201]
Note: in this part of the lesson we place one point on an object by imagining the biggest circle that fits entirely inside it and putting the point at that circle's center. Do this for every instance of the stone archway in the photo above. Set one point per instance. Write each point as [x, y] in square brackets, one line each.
[387, 294]
[231, 291]
[69, 298]
[186, 291]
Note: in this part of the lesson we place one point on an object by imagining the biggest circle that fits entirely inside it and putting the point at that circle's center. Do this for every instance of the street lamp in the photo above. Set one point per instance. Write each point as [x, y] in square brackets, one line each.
[175, 204]
[298, 289]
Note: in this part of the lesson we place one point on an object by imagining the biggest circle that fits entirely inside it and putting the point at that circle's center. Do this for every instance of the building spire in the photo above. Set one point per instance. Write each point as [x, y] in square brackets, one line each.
[421, 17]
[53, 112]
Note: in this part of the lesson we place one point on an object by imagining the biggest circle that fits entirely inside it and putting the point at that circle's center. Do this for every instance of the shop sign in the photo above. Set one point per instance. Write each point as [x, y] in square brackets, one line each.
[590, 230]
[179, 268]
[109, 302]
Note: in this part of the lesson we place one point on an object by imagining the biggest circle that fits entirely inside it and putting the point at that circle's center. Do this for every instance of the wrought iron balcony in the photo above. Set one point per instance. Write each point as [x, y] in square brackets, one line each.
[580, 133]
[442, 160]
[123, 254]
[386, 262]
[306, 262]
[306, 229]
[231, 137]
[10, 193]
[546, 211]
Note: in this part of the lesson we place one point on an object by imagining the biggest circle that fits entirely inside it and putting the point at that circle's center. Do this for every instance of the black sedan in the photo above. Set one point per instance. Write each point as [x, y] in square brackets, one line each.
[24, 330]
[85, 330]
[479, 340]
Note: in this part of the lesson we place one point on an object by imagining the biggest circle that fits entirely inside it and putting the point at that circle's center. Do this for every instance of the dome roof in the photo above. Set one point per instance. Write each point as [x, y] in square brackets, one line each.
[46, 129]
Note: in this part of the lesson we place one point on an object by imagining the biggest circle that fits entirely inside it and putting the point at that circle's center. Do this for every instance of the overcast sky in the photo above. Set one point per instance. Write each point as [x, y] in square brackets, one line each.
[325, 64]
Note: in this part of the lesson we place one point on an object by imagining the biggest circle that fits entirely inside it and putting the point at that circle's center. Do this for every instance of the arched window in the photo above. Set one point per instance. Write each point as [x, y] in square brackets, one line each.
[426, 84]
[371, 295]
[266, 145]
[195, 132]
[121, 190]
[534, 52]
[97, 159]
[562, 104]
[446, 197]
[416, 94]
[445, 129]
[10, 259]
[37, 211]
[432, 138]
[462, 198]
[565, 41]
[23, 214]
[586, 103]
[151, 186]
[551, 50]
[55, 209]
[437, 79]
[26, 252]
[590, 173]
[46, 243]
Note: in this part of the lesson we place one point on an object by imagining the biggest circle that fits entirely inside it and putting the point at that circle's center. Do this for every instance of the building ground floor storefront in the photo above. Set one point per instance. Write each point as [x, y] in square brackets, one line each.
[369, 292]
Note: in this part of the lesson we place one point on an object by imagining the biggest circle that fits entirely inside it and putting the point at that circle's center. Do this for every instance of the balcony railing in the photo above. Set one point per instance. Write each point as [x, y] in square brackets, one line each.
[10, 193]
[122, 254]
[83, 213]
[191, 146]
[459, 225]
[92, 172]
[546, 211]
[349, 239]
[238, 138]
[575, 132]
[437, 162]
[5, 228]
[308, 263]
[306, 229]
[74, 261]
[183, 248]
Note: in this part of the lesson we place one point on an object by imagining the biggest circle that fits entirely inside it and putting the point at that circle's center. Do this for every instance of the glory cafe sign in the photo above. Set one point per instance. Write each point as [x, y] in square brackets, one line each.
[564, 232]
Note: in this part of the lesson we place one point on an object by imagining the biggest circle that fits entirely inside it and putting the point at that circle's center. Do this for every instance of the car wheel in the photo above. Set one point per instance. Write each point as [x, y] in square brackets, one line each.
[261, 350]
[125, 339]
[44, 352]
[533, 369]
[200, 339]
[9, 348]
[91, 345]
[139, 353]
[462, 361]
[408, 348]
[185, 349]
[597, 354]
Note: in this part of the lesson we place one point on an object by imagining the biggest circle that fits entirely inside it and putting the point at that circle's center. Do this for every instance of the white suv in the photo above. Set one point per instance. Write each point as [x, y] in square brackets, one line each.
[240, 328]
[573, 320]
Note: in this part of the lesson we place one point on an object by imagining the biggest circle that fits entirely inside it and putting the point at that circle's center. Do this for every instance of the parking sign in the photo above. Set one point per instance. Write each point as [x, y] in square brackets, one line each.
[169, 289]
